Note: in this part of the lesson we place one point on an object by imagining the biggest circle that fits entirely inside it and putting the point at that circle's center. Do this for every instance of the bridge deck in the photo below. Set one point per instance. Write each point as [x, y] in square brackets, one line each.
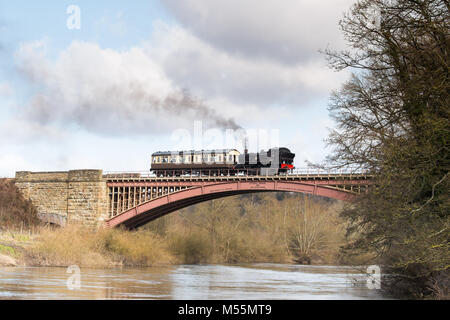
[128, 191]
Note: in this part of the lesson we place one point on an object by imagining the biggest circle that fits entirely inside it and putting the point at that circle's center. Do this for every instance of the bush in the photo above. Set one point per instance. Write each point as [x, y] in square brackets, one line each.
[191, 248]
[15, 211]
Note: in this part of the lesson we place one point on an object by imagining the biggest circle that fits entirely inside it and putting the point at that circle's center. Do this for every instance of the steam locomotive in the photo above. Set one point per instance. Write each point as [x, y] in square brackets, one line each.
[222, 162]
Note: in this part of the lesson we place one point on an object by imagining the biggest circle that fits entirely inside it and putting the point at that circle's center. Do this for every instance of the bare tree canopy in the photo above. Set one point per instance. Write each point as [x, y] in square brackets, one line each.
[393, 119]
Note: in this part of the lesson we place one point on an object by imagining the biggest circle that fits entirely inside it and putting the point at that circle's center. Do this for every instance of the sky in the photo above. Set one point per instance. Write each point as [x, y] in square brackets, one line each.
[104, 84]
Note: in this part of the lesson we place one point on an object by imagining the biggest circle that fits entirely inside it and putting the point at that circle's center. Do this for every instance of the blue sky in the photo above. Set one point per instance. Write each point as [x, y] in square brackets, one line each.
[111, 93]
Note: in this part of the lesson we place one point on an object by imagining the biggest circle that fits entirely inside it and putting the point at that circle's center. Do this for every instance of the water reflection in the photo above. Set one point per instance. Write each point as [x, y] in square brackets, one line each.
[256, 281]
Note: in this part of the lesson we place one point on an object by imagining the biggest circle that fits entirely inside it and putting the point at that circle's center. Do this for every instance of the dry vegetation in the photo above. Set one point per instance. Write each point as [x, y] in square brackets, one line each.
[255, 228]
[16, 213]
[105, 248]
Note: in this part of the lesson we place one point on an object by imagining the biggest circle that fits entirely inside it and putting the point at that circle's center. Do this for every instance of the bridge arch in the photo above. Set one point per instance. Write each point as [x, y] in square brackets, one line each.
[158, 207]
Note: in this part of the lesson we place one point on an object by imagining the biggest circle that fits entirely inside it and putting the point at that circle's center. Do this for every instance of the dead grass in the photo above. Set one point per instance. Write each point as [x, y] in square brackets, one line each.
[104, 248]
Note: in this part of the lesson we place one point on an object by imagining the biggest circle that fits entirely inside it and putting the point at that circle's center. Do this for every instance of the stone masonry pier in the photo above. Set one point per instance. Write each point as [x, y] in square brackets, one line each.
[70, 197]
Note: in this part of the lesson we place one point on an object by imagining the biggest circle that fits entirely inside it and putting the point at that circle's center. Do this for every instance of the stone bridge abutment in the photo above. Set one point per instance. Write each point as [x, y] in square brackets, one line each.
[70, 197]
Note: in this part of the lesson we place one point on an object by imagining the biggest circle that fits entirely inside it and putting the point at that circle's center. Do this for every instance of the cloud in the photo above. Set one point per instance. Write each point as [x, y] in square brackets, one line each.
[215, 73]
[107, 91]
[288, 31]
[25, 132]
[223, 61]
[10, 162]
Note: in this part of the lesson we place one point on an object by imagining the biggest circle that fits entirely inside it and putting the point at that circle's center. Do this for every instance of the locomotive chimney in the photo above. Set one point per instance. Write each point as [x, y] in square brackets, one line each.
[245, 145]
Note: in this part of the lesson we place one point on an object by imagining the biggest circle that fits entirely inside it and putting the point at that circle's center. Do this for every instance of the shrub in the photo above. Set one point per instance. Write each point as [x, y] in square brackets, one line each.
[15, 211]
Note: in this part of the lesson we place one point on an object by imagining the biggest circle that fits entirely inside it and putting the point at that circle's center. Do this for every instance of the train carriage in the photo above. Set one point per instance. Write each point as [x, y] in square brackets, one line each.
[194, 162]
[221, 162]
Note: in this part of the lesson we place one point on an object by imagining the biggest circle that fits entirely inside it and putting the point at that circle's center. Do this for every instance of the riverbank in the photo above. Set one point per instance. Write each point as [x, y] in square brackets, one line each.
[105, 248]
[108, 248]
[81, 246]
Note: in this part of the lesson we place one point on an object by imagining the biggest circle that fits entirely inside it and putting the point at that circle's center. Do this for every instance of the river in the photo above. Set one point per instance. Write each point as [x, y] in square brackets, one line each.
[189, 282]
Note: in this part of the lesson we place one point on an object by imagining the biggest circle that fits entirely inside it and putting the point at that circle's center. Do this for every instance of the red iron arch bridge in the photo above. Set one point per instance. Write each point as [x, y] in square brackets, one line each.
[138, 198]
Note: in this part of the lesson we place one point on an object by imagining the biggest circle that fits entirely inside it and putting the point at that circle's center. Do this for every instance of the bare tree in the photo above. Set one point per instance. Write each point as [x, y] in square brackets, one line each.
[393, 119]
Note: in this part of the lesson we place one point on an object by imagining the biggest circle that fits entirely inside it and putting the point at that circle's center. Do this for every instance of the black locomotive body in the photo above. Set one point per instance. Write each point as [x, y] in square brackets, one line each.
[222, 162]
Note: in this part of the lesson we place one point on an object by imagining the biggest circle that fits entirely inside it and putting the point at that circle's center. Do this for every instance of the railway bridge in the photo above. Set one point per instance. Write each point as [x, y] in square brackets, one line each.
[133, 199]
[138, 198]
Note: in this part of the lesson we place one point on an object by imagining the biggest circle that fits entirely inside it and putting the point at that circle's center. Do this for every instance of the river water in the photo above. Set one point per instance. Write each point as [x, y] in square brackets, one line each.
[189, 282]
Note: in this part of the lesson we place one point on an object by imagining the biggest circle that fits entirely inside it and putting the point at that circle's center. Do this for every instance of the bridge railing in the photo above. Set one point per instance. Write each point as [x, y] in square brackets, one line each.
[233, 173]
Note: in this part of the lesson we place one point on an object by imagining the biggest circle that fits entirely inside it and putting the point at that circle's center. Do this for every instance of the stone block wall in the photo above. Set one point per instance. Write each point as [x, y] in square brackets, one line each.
[77, 196]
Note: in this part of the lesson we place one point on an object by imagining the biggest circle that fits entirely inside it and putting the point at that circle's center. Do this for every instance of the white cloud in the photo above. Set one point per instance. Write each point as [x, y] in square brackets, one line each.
[139, 90]
[289, 31]
[106, 91]
[23, 131]
[213, 73]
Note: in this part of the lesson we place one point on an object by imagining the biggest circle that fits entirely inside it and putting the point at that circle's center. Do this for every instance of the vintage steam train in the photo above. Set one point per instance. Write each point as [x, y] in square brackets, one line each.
[222, 162]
